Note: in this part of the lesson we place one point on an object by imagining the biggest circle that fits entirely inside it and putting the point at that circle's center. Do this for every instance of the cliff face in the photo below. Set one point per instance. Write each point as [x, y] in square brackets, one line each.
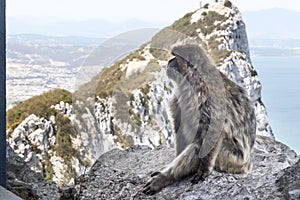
[126, 104]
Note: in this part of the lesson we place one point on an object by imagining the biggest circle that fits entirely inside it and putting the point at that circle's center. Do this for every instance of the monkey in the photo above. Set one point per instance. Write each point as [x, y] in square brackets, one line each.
[212, 119]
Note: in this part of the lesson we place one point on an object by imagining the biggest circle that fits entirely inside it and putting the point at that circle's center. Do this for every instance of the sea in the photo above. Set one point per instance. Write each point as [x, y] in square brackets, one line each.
[280, 78]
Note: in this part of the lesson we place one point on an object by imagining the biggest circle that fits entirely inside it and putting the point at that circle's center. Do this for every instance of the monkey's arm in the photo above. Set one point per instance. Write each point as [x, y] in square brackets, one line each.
[187, 163]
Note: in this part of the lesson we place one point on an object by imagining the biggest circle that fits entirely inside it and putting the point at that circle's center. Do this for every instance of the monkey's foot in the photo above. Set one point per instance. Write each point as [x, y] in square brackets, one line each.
[156, 183]
[199, 177]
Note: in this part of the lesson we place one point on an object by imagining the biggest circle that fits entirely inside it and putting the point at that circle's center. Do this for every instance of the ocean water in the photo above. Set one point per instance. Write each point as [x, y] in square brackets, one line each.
[280, 77]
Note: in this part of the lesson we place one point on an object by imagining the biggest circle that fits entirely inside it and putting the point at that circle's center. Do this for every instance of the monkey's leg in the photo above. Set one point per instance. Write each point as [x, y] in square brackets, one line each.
[234, 157]
[207, 163]
[183, 165]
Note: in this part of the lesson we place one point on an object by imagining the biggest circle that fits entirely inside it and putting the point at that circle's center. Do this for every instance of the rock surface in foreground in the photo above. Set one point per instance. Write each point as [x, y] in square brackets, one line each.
[121, 175]
[26, 183]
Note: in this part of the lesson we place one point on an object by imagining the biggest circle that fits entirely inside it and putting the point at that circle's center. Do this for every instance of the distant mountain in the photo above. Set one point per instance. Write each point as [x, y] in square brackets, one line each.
[86, 28]
[273, 32]
[272, 23]
[275, 47]
[38, 39]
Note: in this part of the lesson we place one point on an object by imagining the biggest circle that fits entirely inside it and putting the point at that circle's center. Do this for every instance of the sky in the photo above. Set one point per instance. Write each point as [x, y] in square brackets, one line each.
[121, 10]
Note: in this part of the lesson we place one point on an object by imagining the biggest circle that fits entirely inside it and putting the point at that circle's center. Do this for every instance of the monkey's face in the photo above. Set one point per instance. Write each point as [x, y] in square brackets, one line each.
[177, 68]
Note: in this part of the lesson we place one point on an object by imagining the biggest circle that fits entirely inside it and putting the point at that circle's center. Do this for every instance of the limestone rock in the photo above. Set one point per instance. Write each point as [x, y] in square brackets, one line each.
[121, 174]
[32, 139]
[27, 183]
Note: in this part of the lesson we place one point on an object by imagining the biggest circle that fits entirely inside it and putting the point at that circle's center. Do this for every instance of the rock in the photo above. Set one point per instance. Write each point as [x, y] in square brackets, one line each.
[121, 174]
[237, 65]
[289, 182]
[27, 183]
[32, 139]
[64, 108]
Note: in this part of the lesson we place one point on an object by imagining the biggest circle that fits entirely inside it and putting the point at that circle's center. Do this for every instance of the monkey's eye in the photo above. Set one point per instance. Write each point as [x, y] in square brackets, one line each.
[190, 65]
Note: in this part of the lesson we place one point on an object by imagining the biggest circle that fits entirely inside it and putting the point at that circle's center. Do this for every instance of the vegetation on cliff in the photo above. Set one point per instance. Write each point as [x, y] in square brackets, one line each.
[41, 106]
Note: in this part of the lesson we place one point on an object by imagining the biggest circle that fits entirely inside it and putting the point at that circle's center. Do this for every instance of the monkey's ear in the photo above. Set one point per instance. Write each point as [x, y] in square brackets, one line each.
[186, 52]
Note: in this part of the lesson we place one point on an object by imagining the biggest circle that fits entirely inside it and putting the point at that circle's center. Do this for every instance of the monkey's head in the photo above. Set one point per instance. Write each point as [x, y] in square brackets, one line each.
[177, 68]
[187, 59]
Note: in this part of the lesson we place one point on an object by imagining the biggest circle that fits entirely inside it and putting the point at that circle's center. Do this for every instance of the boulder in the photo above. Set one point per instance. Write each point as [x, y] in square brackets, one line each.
[121, 174]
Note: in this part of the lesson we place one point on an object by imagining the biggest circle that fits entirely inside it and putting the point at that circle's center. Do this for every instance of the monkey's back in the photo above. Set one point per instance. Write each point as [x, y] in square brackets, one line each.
[239, 125]
[239, 131]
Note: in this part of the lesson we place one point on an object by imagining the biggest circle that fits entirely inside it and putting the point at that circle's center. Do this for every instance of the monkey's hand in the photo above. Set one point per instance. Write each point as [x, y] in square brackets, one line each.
[157, 181]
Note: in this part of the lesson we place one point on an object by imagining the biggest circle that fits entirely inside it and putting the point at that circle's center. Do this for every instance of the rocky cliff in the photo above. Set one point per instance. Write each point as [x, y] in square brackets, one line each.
[126, 105]
[131, 96]
[121, 175]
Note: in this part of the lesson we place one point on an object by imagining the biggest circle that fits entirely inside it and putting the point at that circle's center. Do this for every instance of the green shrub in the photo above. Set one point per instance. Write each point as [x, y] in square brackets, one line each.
[206, 6]
[253, 72]
[228, 4]
[47, 167]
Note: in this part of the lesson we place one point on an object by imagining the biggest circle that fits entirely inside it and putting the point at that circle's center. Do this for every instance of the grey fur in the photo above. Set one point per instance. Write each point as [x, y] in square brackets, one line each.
[213, 121]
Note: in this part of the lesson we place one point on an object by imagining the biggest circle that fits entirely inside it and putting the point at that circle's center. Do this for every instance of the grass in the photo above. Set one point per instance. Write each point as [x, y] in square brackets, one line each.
[184, 25]
[140, 79]
[47, 167]
[38, 105]
[210, 22]
[216, 54]
[219, 55]
[108, 79]
[137, 55]
[160, 54]
[207, 24]
[104, 83]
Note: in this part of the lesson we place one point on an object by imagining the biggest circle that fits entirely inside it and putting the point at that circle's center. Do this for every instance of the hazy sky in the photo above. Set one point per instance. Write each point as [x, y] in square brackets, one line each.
[120, 10]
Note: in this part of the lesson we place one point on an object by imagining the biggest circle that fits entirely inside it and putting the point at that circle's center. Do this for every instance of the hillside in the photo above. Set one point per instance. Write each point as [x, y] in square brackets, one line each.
[39, 63]
[39, 130]
[126, 103]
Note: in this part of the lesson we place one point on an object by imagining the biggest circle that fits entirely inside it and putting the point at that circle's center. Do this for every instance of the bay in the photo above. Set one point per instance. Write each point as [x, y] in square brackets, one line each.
[280, 78]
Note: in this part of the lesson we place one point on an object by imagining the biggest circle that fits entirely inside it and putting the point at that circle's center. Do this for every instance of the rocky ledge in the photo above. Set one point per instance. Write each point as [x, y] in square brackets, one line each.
[121, 174]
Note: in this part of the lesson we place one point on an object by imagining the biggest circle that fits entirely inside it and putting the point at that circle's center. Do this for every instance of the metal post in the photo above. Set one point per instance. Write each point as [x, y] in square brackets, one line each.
[2, 95]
